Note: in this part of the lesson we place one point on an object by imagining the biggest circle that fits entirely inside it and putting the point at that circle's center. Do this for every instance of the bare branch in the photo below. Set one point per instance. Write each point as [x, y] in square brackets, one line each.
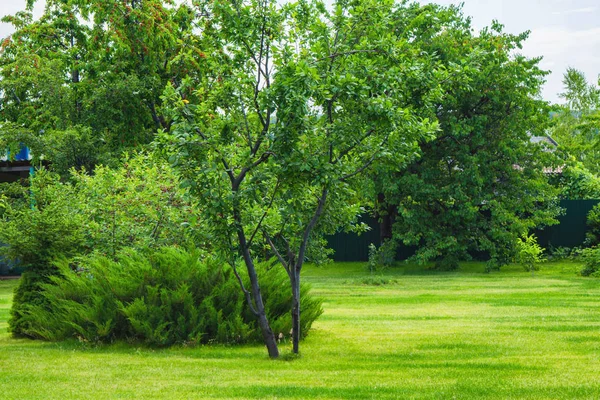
[258, 226]
[282, 261]
[309, 228]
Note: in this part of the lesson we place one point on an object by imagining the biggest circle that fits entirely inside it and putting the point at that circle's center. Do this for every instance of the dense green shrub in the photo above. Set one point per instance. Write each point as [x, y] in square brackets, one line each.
[40, 224]
[591, 260]
[167, 297]
[563, 253]
[593, 223]
[138, 205]
[449, 262]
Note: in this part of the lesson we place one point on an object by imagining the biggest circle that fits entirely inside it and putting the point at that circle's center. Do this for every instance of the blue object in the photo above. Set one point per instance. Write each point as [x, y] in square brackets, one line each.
[23, 154]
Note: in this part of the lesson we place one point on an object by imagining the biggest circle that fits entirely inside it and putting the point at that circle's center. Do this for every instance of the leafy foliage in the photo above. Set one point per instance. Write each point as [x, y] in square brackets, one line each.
[529, 253]
[563, 253]
[274, 131]
[167, 297]
[480, 184]
[138, 205]
[576, 182]
[37, 227]
[591, 259]
[382, 257]
[83, 82]
[576, 125]
[593, 223]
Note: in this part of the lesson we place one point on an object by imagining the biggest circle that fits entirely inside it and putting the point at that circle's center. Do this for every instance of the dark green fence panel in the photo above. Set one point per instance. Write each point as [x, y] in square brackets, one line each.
[570, 232]
[354, 247]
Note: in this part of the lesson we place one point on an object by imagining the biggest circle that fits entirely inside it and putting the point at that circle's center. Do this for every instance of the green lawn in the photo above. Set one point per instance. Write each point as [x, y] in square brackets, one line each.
[460, 335]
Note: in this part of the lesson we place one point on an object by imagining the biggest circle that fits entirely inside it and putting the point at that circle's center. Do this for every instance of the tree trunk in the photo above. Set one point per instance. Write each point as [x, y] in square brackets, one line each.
[263, 322]
[259, 306]
[386, 214]
[294, 271]
[268, 335]
[296, 311]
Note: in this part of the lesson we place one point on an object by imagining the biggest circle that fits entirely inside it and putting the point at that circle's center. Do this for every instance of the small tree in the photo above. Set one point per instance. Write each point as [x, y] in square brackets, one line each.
[293, 106]
[576, 124]
[529, 253]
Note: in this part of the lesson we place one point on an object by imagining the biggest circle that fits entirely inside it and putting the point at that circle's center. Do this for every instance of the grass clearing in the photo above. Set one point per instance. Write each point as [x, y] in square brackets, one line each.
[403, 333]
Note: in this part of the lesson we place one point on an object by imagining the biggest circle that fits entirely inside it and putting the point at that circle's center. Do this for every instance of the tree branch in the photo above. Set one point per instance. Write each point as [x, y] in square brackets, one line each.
[237, 180]
[246, 292]
[277, 253]
[352, 147]
[309, 228]
[264, 214]
[359, 170]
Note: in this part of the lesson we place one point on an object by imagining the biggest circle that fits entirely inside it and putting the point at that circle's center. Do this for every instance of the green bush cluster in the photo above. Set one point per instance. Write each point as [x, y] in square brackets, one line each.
[382, 257]
[563, 253]
[138, 205]
[593, 223]
[529, 253]
[169, 296]
[591, 261]
[38, 225]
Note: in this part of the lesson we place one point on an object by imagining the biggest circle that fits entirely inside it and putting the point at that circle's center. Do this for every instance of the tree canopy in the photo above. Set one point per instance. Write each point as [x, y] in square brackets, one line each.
[83, 82]
[480, 184]
[576, 128]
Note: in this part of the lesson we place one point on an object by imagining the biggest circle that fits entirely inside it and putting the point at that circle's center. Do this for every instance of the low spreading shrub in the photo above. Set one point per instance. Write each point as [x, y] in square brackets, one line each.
[563, 253]
[137, 205]
[168, 297]
[447, 263]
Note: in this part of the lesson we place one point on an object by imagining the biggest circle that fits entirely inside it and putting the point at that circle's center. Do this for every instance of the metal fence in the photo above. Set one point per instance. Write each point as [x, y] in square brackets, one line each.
[570, 232]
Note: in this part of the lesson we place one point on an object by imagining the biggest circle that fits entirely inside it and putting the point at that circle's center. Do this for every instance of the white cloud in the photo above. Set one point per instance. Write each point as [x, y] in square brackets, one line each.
[559, 40]
[563, 48]
[585, 10]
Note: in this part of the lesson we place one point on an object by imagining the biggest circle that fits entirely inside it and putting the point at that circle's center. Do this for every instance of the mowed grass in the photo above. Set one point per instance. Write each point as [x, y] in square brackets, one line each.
[401, 334]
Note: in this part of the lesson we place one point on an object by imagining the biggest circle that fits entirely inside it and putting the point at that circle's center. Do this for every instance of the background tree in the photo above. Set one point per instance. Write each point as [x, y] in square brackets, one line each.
[576, 128]
[480, 184]
[293, 104]
[83, 82]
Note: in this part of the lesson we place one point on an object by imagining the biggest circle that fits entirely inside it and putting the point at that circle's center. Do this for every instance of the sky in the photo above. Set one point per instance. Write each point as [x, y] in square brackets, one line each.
[565, 32]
